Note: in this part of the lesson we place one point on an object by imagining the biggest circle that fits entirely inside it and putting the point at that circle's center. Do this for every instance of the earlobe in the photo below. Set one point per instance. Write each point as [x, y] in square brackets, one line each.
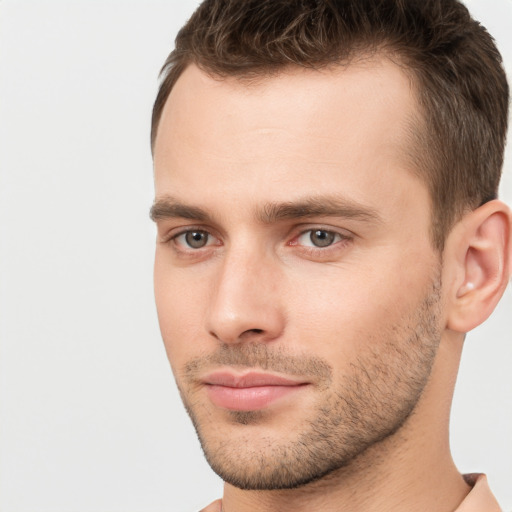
[483, 257]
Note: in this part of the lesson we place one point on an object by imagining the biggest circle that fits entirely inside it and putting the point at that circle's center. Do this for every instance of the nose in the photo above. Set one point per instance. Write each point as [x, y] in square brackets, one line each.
[245, 303]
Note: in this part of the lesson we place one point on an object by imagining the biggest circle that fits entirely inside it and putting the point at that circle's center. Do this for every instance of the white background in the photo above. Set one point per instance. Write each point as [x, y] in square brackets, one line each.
[89, 417]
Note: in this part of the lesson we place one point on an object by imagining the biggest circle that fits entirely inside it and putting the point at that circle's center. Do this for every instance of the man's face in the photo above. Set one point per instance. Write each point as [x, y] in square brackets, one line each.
[296, 286]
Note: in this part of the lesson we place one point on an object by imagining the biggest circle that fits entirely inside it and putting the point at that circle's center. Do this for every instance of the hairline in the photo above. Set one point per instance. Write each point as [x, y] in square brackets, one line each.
[422, 162]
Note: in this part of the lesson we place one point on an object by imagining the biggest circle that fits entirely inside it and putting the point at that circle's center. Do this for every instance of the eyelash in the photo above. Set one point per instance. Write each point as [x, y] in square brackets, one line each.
[337, 238]
[190, 231]
[340, 239]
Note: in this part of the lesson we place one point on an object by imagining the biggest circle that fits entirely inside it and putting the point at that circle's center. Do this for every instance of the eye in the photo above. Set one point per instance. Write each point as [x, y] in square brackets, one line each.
[319, 238]
[194, 239]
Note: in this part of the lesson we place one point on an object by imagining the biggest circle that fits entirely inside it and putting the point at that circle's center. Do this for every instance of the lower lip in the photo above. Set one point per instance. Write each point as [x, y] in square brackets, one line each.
[248, 399]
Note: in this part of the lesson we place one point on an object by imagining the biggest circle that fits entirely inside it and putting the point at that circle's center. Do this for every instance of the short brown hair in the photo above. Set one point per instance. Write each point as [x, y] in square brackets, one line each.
[460, 82]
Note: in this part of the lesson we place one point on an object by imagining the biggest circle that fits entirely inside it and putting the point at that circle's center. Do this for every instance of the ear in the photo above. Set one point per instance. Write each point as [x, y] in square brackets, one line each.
[480, 254]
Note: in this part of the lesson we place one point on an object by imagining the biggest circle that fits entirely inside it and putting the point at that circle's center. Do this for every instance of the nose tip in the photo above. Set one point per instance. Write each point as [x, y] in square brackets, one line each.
[245, 304]
[248, 324]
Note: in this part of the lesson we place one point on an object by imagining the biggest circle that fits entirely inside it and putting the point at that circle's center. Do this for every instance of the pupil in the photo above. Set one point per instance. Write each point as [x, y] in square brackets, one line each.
[196, 239]
[322, 238]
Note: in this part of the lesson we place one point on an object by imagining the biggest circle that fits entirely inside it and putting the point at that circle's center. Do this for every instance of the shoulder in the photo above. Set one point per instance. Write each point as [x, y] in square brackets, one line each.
[480, 497]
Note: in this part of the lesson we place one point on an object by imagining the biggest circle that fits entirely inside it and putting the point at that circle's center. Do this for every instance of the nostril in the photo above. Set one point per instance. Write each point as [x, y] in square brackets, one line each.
[251, 332]
[244, 334]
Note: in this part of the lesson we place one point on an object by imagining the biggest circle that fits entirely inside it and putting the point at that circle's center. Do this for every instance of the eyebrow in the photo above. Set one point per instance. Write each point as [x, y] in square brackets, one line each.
[317, 206]
[169, 208]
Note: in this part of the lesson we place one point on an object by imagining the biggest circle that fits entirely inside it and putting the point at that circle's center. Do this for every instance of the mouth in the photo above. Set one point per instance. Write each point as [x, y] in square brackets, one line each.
[250, 391]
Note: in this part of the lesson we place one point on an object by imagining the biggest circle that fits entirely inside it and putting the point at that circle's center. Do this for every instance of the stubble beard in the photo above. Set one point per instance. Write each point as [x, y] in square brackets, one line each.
[379, 392]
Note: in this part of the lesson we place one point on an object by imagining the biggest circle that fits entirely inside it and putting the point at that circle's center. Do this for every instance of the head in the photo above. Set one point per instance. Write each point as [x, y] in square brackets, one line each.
[325, 175]
[460, 125]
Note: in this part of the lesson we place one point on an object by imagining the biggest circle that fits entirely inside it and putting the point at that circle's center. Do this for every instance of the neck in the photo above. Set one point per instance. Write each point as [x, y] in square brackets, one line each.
[398, 481]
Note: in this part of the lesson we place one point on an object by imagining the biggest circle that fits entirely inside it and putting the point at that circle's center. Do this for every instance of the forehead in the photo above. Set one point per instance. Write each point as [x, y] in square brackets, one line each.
[347, 125]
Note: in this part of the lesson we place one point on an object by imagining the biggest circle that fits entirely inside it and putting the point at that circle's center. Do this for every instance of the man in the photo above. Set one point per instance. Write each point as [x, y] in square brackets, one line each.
[328, 230]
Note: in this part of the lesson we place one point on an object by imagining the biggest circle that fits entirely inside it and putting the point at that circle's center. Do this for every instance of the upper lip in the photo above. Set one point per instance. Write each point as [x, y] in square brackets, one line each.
[248, 380]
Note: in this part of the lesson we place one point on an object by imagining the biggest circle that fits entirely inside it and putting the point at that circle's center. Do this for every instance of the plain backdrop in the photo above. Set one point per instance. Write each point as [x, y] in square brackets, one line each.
[89, 417]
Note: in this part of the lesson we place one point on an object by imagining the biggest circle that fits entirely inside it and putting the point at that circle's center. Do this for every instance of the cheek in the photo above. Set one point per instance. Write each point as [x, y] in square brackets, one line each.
[179, 299]
[338, 312]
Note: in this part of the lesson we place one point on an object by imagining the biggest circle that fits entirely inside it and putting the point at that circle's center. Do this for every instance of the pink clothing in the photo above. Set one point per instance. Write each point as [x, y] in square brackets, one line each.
[480, 498]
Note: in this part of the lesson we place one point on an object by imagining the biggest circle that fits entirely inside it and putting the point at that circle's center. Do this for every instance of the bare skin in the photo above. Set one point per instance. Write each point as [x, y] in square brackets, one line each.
[353, 304]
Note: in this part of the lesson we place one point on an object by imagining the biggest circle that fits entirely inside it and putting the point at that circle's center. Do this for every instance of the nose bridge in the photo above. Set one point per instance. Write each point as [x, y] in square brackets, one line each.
[244, 303]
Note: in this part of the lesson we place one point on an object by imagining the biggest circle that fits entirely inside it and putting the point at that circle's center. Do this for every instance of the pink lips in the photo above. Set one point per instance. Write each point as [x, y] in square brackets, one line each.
[248, 392]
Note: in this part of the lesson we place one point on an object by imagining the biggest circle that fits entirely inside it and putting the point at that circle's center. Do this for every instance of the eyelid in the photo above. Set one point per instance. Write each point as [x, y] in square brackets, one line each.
[303, 238]
[344, 234]
[185, 245]
[172, 234]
